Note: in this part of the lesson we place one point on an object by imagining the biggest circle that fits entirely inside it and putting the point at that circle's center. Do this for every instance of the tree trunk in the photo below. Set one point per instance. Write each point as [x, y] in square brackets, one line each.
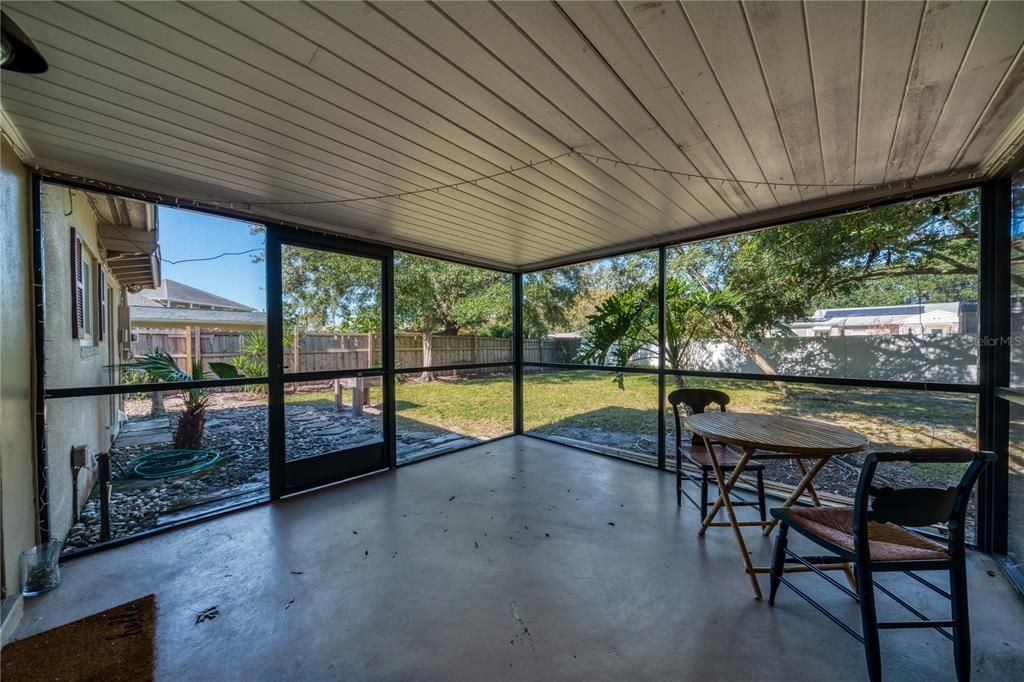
[156, 407]
[428, 348]
[732, 332]
[727, 325]
[762, 363]
[189, 434]
[676, 354]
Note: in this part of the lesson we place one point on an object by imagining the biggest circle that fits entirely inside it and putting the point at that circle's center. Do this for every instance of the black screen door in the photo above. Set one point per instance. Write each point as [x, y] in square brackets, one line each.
[329, 385]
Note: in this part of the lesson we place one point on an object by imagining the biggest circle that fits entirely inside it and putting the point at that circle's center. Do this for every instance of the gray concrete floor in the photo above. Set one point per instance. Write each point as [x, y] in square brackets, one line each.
[548, 564]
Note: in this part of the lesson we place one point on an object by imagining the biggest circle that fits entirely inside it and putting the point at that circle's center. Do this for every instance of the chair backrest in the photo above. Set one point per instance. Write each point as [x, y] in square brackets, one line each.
[696, 400]
[917, 507]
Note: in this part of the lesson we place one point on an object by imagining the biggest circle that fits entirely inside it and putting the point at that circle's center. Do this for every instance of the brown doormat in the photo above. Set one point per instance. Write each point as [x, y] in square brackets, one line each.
[117, 644]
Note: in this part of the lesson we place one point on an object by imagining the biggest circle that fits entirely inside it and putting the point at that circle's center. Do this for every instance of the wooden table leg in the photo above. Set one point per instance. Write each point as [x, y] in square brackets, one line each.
[724, 488]
[798, 491]
[850, 577]
[810, 486]
[740, 466]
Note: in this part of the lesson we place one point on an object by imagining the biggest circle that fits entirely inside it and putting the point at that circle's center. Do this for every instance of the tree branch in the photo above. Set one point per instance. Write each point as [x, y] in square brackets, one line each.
[877, 274]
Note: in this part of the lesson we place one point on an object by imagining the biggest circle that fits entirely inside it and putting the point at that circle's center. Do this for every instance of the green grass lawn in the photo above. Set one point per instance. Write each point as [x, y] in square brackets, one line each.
[590, 400]
[590, 406]
[473, 407]
[586, 404]
[888, 418]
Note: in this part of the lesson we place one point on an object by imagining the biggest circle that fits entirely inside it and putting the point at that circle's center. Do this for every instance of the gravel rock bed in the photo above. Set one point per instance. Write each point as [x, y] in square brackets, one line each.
[314, 429]
[236, 428]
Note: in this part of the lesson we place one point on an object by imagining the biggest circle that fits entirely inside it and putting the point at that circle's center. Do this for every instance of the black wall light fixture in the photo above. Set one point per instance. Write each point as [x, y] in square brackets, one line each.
[19, 54]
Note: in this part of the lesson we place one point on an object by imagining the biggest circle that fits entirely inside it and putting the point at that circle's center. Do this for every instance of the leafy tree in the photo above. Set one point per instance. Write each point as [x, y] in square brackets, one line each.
[327, 291]
[333, 292]
[625, 325]
[747, 286]
[433, 296]
[551, 300]
[903, 291]
[927, 246]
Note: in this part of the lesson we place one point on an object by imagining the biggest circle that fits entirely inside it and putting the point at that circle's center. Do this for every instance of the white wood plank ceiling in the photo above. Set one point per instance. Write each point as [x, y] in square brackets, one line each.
[304, 102]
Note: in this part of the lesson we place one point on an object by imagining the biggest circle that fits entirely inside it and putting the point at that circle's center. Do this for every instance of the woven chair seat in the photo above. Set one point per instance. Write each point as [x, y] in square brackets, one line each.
[888, 541]
[727, 458]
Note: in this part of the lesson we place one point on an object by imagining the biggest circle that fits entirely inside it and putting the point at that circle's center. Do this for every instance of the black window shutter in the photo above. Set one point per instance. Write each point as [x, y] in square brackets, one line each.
[101, 300]
[77, 286]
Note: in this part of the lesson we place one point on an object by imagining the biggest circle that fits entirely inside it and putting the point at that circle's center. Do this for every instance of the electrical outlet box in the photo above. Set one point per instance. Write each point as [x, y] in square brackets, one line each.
[79, 456]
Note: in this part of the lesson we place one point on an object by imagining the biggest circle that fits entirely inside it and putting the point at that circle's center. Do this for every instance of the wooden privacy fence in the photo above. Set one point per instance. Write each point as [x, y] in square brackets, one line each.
[212, 346]
[319, 352]
[550, 350]
[951, 358]
[315, 352]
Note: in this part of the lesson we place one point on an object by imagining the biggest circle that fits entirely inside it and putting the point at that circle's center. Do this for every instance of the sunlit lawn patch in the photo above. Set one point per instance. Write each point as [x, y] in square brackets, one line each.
[594, 401]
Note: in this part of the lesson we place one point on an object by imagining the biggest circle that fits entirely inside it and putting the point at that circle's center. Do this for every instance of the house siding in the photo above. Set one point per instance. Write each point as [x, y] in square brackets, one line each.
[17, 460]
[72, 422]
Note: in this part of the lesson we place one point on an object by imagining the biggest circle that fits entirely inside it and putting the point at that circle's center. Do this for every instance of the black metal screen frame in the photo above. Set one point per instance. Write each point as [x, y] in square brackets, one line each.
[992, 421]
[458, 368]
[278, 233]
[513, 365]
[324, 468]
[994, 486]
[992, 516]
[994, 364]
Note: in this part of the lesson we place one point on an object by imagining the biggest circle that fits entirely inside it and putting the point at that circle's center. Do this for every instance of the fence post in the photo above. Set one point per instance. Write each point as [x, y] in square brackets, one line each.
[198, 348]
[296, 333]
[358, 396]
[188, 348]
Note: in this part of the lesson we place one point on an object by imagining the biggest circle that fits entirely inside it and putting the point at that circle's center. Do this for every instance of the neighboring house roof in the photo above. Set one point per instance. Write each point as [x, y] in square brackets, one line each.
[932, 316]
[143, 316]
[142, 301]
[888, 310]
[938, 317]
[874, 311]
[881, 316]
[171, 291]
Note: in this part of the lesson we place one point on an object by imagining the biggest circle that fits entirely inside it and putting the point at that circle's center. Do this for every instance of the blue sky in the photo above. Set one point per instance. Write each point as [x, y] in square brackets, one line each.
[185, 235]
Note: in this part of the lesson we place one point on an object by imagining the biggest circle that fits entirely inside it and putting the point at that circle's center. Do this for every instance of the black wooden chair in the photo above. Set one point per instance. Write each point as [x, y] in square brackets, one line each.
[696, 400]
[872, 536]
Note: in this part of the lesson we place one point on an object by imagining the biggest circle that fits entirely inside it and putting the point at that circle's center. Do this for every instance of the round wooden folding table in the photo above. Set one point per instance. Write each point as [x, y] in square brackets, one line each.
[765, 436]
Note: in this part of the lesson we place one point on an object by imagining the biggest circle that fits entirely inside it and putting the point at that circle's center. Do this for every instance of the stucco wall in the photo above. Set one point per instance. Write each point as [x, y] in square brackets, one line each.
[73, 421]
[952, 358]
[17, 469]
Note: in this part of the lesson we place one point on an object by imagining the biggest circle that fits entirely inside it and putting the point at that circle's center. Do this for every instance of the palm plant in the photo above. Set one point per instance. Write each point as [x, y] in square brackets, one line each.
[624, 327]
[254, 344]
[252, 362]
[158, 365]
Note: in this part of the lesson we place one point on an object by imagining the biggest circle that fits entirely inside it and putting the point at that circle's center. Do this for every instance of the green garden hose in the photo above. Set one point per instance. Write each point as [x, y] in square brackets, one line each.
[168, 463]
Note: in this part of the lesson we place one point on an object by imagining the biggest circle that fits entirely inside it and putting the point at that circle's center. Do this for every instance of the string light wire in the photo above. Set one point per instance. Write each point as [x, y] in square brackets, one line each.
[596, 159]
